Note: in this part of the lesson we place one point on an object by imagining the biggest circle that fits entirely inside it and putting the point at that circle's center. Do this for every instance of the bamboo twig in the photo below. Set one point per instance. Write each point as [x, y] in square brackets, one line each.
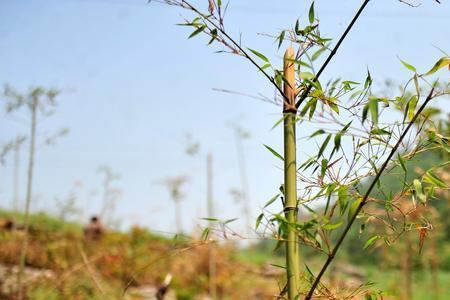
[363, 202]
[332, 53]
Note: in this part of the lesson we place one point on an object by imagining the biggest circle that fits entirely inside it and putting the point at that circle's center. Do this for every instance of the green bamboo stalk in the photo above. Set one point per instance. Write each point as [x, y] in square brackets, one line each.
[24, 248]
[290, 177]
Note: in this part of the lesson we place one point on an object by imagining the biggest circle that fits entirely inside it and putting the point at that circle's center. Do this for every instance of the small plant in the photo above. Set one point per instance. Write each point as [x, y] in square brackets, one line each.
[358, 142]
[38, 103]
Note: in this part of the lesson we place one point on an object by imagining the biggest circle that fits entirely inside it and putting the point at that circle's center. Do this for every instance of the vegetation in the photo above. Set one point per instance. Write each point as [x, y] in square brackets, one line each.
[365, 215]
[346, 179]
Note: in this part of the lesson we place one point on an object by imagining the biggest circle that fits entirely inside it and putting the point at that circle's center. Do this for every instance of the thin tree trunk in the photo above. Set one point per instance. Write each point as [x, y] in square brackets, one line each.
[178, 216]
[24, 248]
[243, 177]
[106, 195]
[211, 249]
[407, 270]
[290, 178]
[15, 203]
[434, 269]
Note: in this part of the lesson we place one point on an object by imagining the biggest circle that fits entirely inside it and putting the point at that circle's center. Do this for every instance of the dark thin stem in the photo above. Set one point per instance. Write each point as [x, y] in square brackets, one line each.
[332, 255]
[238, 46]
[332, 53]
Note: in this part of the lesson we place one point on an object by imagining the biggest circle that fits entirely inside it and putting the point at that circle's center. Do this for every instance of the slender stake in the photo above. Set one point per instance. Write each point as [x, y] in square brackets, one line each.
[363, 202]
[290, 178]
[16, 175]
[211, 250]
[178, 223]
[243, 177]
[23, 250]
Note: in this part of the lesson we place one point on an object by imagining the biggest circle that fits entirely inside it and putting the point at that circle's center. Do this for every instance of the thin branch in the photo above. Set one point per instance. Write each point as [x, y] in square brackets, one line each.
[332, 255]
[332, 53]
[238, 46]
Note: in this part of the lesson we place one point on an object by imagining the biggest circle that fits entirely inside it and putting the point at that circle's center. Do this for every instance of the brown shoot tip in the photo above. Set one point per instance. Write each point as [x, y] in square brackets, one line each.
[289, 54]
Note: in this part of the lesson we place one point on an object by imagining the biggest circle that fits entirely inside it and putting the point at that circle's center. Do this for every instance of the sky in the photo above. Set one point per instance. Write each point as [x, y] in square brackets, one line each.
[133, 87]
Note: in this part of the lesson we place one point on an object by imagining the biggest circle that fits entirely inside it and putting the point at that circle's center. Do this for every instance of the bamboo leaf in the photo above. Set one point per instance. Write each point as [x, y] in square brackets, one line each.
[324, 145]
[323, 168]
[370, 241]
[230, 220]
[318, 53]
[411, 107]
[408, 66]
[205, 234]
[330, 226]
[311, 13]
[373, 108]
[379, 131]
[197, 31]
[337, 138]
[279, 121]
[274, 152]
[210, 219]
[258, 220]
[418, 190]
[281, 39]
[261, 56]
[402, 163]
[272, 200]
[431, 178]
[342, 198]
[353, 207]
[444, 61]
[317, 132]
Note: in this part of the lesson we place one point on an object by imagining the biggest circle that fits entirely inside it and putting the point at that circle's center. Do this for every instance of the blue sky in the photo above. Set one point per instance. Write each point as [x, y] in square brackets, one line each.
[132, 86]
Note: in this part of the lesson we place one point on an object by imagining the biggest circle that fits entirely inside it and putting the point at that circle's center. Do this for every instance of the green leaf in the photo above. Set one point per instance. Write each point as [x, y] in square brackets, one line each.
[259, 55]
[444, 61]
[418, 189]
[317, 132]
[353, 208]
[214, 36]
[373, 108]
[370, 241]
[271, 200]
[324, 145]
[368, 81]
[431, 178]
[324, 166]
[318, 53]
[402, 163]
[274, 152]
[365, 112]
[408, 66]
[411, 107]
[307, 75]
[230, 220]
[210, 219]
[312, 109]
[330, 226]
[379, 131]
[311, 13]
[279, 121]
[205, 234]
[281, 39]
[337, 138]
[342, 198]
[258, 220]
[197, 31]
